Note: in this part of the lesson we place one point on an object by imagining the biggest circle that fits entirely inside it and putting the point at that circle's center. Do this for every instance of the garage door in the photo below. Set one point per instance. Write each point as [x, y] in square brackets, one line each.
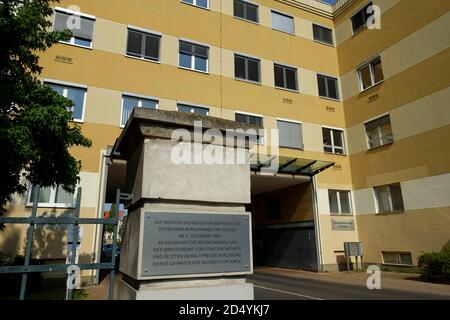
[286, 248]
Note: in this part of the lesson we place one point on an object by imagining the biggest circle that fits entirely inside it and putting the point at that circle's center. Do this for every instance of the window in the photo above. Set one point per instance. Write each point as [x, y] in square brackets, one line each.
[328, 87]
[130, 102]
[359, 20]
[290, 134]
[389, 198]
[52, 197]
[370, 74]
[282, 22]
[193, 56]
[81, 36]
[249, 119]
[143, 45]
[333, 140]
[285, 77]
[273, 205]
[379, 132]
[247, 68]
[77, 95]
[245, 10]
[404, 258]
[322, 34]
[339, 202]
[198, 3]
[193, 109]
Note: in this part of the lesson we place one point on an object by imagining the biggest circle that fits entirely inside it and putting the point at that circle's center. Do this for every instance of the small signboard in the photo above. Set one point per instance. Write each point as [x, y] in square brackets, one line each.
[178, 244]
[342, 225]
[353, 249]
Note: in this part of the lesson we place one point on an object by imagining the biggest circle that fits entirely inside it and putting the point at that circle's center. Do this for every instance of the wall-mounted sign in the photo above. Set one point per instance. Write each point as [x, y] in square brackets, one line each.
[64, 59]
[342, 225]
[287, 100]
[373, 97]
[177, 244]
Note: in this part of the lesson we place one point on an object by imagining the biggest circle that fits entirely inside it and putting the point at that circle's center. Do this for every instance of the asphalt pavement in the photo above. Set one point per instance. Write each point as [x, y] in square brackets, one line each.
[280, 287]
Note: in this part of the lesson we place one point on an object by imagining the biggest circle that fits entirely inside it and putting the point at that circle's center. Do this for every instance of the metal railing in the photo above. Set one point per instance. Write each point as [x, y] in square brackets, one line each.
[75, 222]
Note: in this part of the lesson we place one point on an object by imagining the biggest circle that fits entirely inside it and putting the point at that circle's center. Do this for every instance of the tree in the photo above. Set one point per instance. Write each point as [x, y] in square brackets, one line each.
[36, 131]
[109, 228]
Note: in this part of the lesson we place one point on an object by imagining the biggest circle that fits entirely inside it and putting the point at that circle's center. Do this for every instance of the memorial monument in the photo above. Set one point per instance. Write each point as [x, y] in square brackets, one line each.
[187, 234]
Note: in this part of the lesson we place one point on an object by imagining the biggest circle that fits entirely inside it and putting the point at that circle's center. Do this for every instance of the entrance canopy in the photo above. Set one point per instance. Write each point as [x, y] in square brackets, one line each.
[288, 165]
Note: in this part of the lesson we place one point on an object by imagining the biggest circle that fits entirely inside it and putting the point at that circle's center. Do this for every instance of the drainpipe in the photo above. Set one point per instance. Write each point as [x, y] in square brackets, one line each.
[103, 177]
[316, 224]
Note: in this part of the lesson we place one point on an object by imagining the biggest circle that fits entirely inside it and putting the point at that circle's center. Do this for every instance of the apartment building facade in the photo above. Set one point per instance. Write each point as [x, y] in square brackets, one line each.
[363, 115]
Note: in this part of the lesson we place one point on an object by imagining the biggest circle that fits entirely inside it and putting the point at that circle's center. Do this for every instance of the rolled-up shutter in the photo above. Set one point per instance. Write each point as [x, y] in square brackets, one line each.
[193, 49]
[87, 29]
[290, 134]
[84, 29]
[61, 21]
[377, 122]
[282, 22]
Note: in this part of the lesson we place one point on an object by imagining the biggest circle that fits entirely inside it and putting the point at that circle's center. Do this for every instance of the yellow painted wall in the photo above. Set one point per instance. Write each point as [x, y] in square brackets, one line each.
[414, 231]
[413, 58]
[108, 73]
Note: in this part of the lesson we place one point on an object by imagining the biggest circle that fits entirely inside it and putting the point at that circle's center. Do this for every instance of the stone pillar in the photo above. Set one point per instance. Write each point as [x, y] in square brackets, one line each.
[187, 235]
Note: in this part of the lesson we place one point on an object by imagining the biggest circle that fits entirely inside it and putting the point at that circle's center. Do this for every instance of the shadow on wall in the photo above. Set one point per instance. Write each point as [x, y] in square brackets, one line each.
[49, 246]
[10, 239]
[49, 241]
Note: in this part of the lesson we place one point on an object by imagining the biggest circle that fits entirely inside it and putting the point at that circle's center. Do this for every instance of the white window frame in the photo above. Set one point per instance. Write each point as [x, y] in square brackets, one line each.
[145, 31]
[52, 198]
[380, 134]
[397, 253]
[355, 31]
[80, 14]
[332, 146]
[192, 106]
[140, 98]
[372, 73]
[380, 138]
[65, 94]
[194, 3]
[256, 115]
[192, 68]
[391, 203]
[338, 194]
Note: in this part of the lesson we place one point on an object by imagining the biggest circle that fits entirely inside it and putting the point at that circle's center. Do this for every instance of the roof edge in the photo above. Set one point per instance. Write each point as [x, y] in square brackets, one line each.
[320, 7]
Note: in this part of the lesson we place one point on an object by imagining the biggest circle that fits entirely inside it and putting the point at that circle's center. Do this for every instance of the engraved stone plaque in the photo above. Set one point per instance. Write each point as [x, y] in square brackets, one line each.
[177, 244]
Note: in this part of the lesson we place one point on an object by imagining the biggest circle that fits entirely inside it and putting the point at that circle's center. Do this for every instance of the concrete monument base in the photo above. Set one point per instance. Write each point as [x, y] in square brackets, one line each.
[208, 289]
[187, 235]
